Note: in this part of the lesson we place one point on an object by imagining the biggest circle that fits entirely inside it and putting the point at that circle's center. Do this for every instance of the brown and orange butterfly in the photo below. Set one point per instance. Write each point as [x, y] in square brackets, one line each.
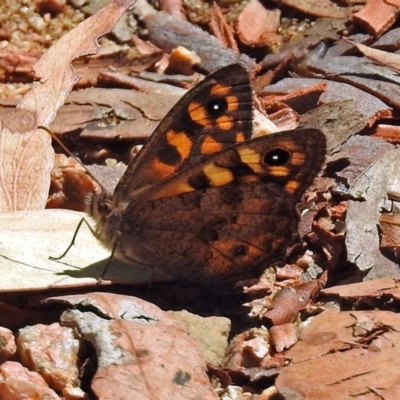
[203, 202]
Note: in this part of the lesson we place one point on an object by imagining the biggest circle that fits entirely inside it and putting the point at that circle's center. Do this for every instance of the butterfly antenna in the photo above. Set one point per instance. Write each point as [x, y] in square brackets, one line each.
[62, 145]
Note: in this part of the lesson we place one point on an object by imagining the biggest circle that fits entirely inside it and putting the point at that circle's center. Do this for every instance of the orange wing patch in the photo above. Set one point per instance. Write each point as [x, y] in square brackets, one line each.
[181, 142]
[240, 137]
[198, 114]
[233, 103]
[210, 146]
[292, 186]
[219, 90]
[225, 123]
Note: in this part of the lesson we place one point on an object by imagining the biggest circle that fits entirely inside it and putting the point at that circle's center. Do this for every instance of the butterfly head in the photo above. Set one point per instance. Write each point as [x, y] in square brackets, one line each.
[100, 206]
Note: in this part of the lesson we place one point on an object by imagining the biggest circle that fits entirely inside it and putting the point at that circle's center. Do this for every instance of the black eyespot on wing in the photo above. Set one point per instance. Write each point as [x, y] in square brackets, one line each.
[240, 250]
[217, 107]
[276, 157]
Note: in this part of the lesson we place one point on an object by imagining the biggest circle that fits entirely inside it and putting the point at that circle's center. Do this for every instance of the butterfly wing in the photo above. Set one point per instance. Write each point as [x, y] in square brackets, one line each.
[214, 115]
[228, 218]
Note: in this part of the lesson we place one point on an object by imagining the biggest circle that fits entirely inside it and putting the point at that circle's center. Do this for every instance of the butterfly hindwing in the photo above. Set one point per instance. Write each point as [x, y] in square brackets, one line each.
[226, 218]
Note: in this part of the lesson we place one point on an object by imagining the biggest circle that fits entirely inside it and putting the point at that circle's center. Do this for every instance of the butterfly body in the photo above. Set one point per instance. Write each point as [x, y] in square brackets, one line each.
[204, 202]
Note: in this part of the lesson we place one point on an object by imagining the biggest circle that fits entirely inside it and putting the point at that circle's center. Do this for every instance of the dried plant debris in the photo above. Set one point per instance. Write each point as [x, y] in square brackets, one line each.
[327, 65]
[350, 353]
[369, 197]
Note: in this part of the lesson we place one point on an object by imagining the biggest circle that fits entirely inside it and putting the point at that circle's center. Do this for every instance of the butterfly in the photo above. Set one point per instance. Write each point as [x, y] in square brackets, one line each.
[204, 202]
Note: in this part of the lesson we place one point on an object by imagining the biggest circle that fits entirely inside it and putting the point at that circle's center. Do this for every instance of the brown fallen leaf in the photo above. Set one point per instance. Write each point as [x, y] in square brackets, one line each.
[390, 60]
[26, 154]
[46, 233]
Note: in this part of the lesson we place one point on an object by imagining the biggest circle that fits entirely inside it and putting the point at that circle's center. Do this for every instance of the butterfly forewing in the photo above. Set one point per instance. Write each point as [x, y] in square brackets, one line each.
[214, 115]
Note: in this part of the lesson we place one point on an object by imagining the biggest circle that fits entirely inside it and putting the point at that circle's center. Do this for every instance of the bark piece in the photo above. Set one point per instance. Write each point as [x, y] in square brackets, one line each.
[358, 72]
[283, 336]
[284, 307]
[221, 29]
[369, 196]
[345, 353]
[70, 185]
[390, 225]
[390, 41]
[343, 48]
[291, 51]
[362, 109]
[300, 99]
[382, 288]
[257, 26]
[381, 57]
[173, 7]
[319, 8]
[213, 346]
[377, 16]
[167, 32]
[361, 151]
[389, 133]
[137, 113]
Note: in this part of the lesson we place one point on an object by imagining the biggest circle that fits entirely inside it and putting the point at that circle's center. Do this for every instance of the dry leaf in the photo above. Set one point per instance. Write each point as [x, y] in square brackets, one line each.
[28, 239]
[390, 60]
[26, 153]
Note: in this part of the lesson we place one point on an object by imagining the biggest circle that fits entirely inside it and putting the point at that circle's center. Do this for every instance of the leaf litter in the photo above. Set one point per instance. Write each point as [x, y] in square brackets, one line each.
[301, 340]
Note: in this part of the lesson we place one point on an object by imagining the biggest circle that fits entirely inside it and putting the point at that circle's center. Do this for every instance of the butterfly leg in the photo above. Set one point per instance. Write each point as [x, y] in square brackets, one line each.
[83, 220]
